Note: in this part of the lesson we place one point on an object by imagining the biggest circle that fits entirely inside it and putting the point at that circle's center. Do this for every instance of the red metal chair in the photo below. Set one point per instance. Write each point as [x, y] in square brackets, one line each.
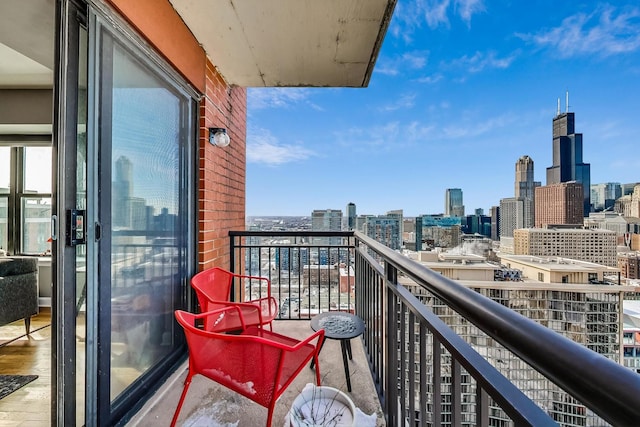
[257, 363]
[213, 289]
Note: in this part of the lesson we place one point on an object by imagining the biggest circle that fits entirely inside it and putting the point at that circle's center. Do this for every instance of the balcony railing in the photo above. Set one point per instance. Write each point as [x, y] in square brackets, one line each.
[439, 352]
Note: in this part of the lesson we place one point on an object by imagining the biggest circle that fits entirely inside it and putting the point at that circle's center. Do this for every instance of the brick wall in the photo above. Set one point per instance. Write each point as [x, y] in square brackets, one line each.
[222, 171]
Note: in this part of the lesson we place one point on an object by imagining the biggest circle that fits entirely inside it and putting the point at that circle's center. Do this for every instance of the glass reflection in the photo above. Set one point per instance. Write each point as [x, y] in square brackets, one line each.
[146, 243]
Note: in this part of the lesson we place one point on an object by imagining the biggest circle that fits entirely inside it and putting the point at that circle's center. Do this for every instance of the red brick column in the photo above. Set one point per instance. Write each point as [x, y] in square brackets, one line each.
[222, 171]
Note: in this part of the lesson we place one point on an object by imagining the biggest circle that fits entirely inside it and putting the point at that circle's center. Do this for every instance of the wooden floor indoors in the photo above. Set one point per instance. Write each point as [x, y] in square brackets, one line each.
[27, 355]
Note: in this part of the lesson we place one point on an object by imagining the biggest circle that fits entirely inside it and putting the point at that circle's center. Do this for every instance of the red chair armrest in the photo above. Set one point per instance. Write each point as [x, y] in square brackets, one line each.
[250, 313]
[265, 279]
[318, 334]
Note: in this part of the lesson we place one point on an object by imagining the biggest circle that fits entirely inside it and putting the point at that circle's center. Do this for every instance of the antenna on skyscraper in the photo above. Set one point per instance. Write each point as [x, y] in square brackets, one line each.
[567, 101]
[558, 112]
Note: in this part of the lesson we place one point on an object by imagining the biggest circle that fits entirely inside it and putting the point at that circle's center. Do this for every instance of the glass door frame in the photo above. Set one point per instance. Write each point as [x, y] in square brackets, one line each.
[73, 17]
[70, 20]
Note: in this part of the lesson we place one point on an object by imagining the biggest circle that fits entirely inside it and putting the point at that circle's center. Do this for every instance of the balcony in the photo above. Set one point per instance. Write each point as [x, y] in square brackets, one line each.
[433, 353]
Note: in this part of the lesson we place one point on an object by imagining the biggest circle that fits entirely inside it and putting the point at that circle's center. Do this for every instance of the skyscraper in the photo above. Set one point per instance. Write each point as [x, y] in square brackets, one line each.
[453, 205]
[559, 204]
[122, 192]
[351, 216]
[524, 184]
[567, 156]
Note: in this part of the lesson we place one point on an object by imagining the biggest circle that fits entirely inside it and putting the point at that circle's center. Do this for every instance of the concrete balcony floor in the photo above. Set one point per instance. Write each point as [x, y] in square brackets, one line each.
[209, 404]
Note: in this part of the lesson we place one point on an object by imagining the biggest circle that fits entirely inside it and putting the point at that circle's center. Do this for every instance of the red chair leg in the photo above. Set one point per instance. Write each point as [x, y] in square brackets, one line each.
[187, 383]
[315, 359]
[270, 413]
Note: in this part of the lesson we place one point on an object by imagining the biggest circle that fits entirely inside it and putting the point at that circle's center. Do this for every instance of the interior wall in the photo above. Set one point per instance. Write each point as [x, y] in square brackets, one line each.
[26, 106]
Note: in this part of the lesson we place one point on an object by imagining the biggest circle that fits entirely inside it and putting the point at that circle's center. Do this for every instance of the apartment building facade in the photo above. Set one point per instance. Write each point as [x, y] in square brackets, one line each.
[629, 265]
[597, 246]
[560, 203]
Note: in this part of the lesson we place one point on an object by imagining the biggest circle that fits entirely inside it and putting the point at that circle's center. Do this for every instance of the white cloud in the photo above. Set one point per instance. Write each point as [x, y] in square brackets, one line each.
[607, 31]
[467, 8]
[262, 147]
[387, 69]
[411, 15]
[477, 127]
[430, 79]
[435, 13]
[394, 134]
[280, 97]
[403, 102]
[483, 60]
[413, 60]
[363, 139]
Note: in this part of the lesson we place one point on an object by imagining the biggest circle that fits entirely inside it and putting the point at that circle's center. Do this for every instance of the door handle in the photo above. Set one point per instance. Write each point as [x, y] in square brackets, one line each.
[54, 227]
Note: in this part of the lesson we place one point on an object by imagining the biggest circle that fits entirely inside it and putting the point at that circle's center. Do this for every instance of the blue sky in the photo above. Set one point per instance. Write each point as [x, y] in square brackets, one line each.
[461, 89]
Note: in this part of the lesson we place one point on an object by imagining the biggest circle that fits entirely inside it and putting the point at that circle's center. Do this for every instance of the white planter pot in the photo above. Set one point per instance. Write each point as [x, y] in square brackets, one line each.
[322, 406]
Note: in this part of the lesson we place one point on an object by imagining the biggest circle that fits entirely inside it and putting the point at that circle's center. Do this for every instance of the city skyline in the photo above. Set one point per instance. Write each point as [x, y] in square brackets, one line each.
[460, 91]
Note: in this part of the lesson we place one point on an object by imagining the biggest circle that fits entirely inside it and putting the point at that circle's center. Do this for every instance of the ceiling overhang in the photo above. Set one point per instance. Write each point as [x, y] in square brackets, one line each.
[290, 43]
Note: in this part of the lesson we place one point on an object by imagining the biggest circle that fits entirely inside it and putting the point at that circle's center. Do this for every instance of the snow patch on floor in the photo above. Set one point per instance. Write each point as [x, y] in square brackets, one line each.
[219, 414]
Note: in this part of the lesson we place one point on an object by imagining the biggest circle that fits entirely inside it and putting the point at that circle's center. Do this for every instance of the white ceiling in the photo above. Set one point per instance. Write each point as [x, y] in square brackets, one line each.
[270, 43]
[26, 43]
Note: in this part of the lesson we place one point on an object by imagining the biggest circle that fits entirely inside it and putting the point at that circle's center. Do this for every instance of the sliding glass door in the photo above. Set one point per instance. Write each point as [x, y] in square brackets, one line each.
[143, 208]
[123, 209]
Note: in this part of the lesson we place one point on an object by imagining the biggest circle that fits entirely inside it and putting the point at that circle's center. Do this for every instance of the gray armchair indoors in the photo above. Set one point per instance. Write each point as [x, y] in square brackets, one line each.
[18, 289]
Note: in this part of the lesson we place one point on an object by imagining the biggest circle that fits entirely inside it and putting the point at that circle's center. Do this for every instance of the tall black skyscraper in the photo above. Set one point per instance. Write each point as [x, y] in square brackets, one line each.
[567, 155]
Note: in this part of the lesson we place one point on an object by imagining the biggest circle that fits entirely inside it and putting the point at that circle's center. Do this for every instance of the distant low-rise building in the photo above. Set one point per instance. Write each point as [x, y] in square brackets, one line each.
[559, 270]
[607, 221]
[457, 266]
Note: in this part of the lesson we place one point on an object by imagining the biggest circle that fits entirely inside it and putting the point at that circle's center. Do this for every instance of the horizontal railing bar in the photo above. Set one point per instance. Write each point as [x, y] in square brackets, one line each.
[239, 233]
[607, 388]
[289, 246]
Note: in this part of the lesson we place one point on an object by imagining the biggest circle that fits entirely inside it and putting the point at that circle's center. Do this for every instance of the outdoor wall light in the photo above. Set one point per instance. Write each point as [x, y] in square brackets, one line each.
[219, 137]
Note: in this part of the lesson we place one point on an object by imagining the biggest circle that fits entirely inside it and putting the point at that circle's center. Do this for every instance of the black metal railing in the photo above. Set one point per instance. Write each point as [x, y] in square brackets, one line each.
[310, 272]
[421, 339]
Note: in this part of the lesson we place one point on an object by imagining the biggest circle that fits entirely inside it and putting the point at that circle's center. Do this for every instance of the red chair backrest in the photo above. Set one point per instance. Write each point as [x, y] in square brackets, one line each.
[212, 284]
[256, 367]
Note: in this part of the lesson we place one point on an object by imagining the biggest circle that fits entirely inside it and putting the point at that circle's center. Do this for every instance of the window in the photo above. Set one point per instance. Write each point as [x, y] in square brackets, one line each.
[5, 161]
[25, 199]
